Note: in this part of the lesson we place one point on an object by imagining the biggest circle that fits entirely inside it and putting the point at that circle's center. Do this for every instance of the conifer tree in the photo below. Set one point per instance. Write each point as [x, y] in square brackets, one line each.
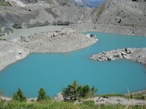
[41, 95]
[19, 96]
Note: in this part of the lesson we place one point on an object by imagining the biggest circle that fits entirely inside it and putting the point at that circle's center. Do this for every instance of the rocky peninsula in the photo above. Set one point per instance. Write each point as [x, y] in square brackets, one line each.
[64, 40]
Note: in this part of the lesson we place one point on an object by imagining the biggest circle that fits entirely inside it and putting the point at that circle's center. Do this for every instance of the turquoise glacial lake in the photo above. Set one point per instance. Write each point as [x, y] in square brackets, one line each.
[54, 72]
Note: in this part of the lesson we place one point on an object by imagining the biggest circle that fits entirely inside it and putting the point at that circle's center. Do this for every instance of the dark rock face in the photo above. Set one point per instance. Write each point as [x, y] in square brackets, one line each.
[30, 1]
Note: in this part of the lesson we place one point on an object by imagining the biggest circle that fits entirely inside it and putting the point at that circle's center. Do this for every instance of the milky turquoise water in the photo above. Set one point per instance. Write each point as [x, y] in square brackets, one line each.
[53, 72]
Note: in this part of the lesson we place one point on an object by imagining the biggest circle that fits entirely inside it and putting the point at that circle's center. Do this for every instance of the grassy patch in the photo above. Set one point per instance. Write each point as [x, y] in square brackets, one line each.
[51, 104]
[100, 10]
[4, 3]
[137, 96]
[113, 95]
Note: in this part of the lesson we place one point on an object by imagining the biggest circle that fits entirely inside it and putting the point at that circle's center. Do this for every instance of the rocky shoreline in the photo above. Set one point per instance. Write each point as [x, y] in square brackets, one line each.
[63, 40]
[134, 54]
[97, 100]
[118, 100]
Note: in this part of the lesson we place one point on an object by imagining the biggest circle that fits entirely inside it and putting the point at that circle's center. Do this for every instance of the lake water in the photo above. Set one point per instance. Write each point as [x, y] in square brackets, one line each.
[53, 72]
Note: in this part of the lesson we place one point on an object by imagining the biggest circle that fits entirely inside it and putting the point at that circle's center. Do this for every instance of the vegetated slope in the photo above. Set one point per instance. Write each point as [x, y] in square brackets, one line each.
[4, 3]
[122, 13]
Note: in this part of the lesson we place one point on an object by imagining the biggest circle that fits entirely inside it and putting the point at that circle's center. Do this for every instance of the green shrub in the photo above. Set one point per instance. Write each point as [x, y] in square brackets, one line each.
[51, 104]
[75, 91]
[19, 96]
[4, 3]
[140, 97]
[42, 95]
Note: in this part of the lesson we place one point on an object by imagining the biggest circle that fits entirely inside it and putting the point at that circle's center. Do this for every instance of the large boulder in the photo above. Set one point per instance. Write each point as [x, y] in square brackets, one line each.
[59, 97]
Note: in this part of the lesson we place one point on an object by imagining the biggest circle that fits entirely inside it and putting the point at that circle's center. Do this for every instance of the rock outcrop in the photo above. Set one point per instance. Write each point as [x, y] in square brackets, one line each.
[59, 97]
[134, 54]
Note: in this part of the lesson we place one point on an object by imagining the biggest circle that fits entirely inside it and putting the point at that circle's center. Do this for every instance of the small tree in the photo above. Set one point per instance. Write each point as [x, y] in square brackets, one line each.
[85, 91]
[71, 92]
[19, 96]
[75, 92]
[41, 95]
[80, 91]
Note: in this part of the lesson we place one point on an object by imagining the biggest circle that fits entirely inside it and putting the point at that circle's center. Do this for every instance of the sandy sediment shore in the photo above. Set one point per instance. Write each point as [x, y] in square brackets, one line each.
[114, 29]
[134, 54]
[63, 40]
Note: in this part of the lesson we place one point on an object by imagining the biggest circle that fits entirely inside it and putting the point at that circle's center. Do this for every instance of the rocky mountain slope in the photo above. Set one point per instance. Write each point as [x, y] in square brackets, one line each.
[121, 13]
[31, 13]
[127, 17]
